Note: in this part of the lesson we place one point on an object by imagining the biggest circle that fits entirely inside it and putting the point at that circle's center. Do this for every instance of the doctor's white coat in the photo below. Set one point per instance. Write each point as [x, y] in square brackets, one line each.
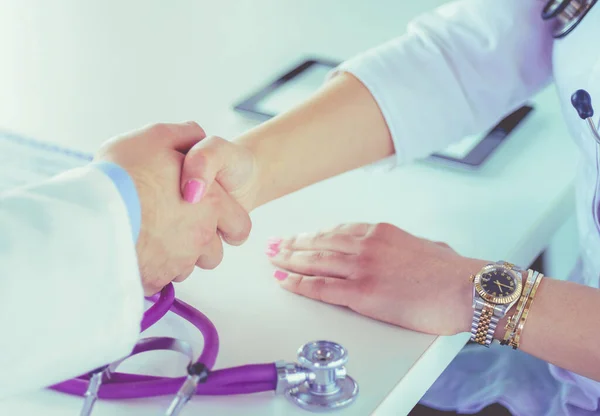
[70, 293]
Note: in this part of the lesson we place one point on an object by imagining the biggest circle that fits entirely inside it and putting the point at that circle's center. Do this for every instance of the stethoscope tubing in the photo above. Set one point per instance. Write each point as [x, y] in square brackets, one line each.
[252, 378]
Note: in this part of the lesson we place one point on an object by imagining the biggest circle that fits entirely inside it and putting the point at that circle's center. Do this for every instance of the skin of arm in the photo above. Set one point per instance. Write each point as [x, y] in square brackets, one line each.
[343, 118]
[562, 327]
[385, 273]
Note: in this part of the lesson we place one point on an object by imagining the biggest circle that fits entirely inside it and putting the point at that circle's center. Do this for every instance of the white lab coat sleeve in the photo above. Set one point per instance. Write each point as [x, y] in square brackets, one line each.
[71, 298]
[457, 71]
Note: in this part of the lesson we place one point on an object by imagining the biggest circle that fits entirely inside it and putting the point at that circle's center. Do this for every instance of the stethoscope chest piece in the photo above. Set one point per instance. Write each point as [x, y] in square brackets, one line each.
[567, 14]
[327, 386]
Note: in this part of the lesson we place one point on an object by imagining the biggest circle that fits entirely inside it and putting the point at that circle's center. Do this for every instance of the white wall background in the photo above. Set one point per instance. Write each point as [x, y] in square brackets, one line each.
[96, 68]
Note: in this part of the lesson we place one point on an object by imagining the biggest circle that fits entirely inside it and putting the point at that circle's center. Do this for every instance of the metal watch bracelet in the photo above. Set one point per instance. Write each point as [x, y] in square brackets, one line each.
[486, 316]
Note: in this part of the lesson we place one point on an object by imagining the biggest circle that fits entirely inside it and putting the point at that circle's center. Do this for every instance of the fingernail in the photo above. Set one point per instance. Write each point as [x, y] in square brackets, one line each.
[193, 190]
[273, 244]
[280, 275]
[274, 241]
[273, 247]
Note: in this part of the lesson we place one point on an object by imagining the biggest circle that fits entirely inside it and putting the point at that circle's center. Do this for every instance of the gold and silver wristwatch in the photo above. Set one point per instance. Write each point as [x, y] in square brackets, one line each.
[496, 288]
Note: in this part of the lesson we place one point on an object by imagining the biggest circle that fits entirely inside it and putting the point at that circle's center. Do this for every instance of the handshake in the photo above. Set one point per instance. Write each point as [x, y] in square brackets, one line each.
[195, 192]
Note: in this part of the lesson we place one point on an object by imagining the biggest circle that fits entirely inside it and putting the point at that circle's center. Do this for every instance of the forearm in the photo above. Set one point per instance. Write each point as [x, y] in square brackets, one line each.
[444, 68]
[563, 327]
[339, 129]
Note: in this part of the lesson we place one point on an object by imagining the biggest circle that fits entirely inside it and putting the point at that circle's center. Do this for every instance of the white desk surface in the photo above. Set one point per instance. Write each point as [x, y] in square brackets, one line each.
[78, 72]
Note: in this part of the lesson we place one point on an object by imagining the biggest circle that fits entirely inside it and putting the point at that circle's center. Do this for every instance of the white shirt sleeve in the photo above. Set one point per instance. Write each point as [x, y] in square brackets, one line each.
[457, 71]
[71, 297]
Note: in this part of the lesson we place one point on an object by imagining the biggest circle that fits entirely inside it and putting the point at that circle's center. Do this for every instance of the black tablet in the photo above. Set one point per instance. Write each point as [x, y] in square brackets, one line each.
[288, 90]
[301, 81]
[472, 151]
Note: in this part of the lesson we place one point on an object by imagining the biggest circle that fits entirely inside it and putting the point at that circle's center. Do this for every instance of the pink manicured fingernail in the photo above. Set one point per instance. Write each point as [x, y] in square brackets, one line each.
[273, 246]
[193, 190]
[274, 241]
[279, 275]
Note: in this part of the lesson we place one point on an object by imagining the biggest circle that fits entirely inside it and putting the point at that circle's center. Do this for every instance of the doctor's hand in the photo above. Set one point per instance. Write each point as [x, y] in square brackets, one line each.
[175, 236]
[382, 272]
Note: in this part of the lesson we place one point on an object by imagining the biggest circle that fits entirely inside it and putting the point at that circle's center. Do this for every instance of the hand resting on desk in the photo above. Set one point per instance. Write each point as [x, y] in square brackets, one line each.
[385, 273]
[382, 272]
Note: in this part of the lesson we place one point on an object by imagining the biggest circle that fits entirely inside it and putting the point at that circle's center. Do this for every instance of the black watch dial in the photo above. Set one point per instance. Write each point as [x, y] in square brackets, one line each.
[498, 283]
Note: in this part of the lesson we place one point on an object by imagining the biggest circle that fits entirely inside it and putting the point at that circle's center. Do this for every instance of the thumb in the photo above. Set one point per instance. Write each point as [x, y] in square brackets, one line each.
[213, 159]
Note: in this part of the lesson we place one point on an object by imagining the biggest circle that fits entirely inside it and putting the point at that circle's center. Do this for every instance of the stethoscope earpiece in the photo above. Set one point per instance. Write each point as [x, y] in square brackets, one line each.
[567, 14]
[553, 8]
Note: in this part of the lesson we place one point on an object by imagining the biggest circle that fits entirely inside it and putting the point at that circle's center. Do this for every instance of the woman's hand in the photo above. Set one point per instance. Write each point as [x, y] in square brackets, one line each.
[382, 272]
[231, 165]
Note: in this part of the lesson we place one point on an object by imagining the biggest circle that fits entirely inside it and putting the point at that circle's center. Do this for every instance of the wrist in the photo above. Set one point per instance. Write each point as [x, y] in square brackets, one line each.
[265, 167]
[303, 146]
[500, 329]
[469, 268]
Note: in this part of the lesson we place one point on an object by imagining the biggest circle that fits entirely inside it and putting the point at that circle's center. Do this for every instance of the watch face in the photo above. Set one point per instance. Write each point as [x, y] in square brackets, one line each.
[498, 283]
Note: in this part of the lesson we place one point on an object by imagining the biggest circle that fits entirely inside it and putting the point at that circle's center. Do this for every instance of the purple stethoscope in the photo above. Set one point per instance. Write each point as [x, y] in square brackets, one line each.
[582, 102]
[318, 382]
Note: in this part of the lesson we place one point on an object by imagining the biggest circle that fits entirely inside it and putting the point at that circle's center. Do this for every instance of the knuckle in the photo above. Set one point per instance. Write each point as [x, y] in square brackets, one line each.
[318, 236]
[343, 239]
[289, 243]
[366, 287]
[196, 126]
[161, 130]
[383, 228]
[217, 141]
[319, 256]
[316, 289]
[365, 260]
[318, 262]
[298, 283]
[241, 232]
[203, 236]
[151, 285]
[209, 262]
[365, 245]
[286, 255]
[338, 227]
[186, 270]
[213, 262]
